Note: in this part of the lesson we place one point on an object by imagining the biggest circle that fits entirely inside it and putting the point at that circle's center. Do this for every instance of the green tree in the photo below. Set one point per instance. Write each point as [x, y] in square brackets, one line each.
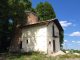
[45, 11]
[40, 11]
[61, 38]
[14, 10]
[31, 9]
[4, 23]
[49, 11]
[28, 6]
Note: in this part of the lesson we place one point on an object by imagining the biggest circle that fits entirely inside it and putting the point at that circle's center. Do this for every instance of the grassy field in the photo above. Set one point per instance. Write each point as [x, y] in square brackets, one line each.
[35, 56]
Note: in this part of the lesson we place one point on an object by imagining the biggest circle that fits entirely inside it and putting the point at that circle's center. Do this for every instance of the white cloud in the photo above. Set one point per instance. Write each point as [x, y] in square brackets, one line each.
[64, 23]
[65, 34]
[78, 44]
[75, 34]
[69, 44]
[78, 41]
[74, 25]
[72, 20]
[73, 41]
[65, 41]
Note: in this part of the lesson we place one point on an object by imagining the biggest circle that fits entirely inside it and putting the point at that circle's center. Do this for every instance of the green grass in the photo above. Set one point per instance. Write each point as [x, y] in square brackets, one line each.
[70, 56]
[34, 56]
[24, 56]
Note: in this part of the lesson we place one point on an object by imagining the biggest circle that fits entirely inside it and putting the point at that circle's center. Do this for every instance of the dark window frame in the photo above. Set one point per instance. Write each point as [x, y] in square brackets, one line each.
[49, 42]
[21, 45]
[27, 41]
[53, 30]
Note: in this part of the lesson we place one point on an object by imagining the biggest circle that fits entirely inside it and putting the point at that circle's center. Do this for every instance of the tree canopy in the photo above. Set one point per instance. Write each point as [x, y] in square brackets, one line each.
[45, 11]
[14, 10]
[61, 38]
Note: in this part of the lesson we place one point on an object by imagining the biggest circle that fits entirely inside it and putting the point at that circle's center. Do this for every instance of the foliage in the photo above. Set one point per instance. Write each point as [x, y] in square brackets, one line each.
[45, 11]
[14, 10]
[31, 9]
[4, 25]
[5, 34]
[76, 51]
[64, 51]
[49, 11]
[17, 10]
[61, 34]
[40, 10]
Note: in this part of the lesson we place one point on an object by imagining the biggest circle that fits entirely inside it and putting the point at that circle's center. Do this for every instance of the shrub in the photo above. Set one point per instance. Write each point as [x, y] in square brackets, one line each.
[64, 51]
[75, 51]
[78, 51]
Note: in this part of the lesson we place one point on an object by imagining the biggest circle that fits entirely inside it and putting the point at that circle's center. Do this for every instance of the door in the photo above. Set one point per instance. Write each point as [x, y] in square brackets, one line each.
[53, 45]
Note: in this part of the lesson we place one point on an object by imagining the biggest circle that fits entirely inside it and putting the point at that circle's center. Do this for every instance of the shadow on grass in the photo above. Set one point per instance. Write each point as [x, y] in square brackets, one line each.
[13, 55]
[30, 55]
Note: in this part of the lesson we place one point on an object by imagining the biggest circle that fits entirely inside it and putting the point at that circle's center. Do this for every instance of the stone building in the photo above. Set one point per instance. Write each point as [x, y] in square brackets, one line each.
[33, 35]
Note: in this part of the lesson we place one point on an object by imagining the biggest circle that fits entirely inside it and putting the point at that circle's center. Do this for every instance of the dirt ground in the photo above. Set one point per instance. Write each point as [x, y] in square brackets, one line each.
[72, 59]
[3, 57]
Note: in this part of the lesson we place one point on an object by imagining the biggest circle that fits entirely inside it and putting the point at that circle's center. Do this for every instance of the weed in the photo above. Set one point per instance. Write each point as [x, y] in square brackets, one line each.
[35, 56]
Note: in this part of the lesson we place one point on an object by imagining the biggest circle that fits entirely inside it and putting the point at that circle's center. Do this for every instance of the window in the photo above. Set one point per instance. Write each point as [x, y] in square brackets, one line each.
[49, 42]
[27, 41]
[21, 45]
[52, 30]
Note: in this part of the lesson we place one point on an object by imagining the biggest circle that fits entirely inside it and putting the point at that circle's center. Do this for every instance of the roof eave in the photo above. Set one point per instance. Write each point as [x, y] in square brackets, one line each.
[58, 25]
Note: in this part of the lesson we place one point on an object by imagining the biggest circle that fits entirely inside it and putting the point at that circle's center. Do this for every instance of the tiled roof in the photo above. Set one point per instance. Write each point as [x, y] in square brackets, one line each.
[45, 22]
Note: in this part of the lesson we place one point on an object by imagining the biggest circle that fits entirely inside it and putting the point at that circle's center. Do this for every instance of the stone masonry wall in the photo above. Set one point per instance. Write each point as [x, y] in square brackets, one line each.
[17, 33]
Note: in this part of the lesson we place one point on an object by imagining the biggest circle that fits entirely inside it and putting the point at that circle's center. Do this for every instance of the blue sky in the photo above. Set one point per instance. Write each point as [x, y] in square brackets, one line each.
[68, 14]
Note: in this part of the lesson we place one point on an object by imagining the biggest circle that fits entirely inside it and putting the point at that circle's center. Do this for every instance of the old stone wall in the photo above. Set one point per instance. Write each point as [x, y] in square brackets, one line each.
[17, 32]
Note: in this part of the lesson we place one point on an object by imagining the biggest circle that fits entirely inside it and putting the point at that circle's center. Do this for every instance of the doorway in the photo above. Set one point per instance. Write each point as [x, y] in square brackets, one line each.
[54, 45]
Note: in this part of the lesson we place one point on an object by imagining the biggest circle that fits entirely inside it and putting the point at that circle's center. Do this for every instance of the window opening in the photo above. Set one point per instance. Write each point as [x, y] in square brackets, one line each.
[49, 42]
[21, 45]
[27, 41]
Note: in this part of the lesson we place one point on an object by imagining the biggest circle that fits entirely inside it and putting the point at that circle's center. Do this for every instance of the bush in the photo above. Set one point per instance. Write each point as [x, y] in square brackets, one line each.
[76, 51]
[64, 51]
